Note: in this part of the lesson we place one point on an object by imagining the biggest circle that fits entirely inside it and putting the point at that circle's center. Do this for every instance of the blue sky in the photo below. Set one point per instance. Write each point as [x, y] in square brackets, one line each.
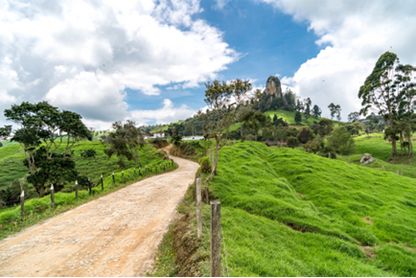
[270, 44]
[147, 60]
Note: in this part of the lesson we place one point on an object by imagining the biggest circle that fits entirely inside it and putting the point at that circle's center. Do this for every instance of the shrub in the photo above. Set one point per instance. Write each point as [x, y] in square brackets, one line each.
[305, 135]
[159, 142]
[89, 153]
[292, 142]
[205, 165]
[341, 141]
[250, 137]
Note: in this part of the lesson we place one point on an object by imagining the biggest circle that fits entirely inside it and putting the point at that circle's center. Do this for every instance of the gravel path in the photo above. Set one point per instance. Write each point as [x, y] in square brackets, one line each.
[115, 235]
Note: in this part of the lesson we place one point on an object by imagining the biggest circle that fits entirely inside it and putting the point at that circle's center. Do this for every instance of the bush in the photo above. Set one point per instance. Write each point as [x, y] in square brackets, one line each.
[341, 141]
[314, 146]
[205, 165]
[159, 142]
[292, 142]
[88, 153]
[250, 137]
[305, 135]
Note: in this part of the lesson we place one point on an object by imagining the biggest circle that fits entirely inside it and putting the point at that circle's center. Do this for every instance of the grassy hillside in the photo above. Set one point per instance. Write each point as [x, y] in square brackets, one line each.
[289, 213]
[11, 162]
[381, 151]
[289, 117]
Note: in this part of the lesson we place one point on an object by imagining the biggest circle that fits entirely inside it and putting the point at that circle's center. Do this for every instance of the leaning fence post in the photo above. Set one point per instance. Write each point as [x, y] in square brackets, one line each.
[102, 183]
[76, 190]
[215, 239]
[384, 169]
[329, 155]
[198, 206]
[52, 197]
[22, 205]
[114, 180]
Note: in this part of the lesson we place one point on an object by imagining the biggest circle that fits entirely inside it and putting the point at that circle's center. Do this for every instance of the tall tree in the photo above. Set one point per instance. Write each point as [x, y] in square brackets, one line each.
[125, 141]
[255, 121]
[316, 111]
[206, 127]
[380, 93]
[224, 100]
[353, 116]
[298, 117]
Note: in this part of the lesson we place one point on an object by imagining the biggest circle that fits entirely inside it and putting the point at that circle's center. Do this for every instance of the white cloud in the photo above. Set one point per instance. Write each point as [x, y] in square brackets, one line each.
[356, 33]
[167, 114]
[81, 55]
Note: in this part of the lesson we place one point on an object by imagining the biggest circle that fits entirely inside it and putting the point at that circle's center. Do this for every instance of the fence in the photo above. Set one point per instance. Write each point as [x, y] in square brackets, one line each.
[110, 180]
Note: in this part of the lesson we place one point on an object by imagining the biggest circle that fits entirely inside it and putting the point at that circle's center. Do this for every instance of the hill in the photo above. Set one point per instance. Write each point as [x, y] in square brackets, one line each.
[289, 117]
[289, 213]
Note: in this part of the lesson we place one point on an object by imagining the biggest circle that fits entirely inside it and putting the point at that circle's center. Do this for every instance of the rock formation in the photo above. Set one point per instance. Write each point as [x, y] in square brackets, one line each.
[366, 159]
[273, 87]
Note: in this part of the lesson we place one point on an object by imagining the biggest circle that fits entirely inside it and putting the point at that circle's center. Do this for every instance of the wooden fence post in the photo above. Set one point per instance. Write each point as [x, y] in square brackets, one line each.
[402, 172]
[134, 171]
[128, 173]
[349, 160]
[122, 175]
[329, 155]
[398, 172]
[198, 207]
[215, 266]
[22, 205]
[207, 191]
[102, 183]
[89, 186]
[76, 190]
[52, 197]
[384, 169]
[114, 179]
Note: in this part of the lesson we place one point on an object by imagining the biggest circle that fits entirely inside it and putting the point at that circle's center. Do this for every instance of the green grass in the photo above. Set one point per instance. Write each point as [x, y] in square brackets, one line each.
[381, 151]
[289, 117]
[289, 213]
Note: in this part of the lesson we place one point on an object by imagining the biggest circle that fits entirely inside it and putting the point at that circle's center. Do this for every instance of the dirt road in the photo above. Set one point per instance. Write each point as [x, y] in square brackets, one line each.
[115, 235]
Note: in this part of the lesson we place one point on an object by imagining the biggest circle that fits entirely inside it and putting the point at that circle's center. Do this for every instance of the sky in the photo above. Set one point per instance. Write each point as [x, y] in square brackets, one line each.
[148, 60]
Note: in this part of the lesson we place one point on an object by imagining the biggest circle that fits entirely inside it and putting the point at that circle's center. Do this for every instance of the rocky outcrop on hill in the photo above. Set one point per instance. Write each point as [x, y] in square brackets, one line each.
[366, 159]
[274, 87]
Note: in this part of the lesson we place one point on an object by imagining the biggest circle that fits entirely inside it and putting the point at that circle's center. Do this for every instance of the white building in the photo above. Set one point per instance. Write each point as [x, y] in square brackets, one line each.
[186, 138]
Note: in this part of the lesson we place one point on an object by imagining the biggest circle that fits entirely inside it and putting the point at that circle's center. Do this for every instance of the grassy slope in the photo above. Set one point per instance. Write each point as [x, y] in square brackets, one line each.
[11, 165]
[289, 117]
[381, 151]
[288, 213]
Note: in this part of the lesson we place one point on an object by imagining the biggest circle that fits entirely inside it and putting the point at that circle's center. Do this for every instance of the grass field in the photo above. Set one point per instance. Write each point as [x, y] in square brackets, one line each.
[289, 213]
[381, 151]
[289, 117]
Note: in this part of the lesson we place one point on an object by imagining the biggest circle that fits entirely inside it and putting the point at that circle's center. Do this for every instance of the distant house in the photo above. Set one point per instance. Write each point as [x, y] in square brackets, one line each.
[154, 135]
[186, 138]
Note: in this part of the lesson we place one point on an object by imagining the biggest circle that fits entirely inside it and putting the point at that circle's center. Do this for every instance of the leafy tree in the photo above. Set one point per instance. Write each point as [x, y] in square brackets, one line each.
[298, 117]
[316, 111]
[125, 141]
[224, 100]
[274, 119]
[354, 128]
[5, 132]
[325, 127]
[314, 146]
[335, 111]
[299, 105]
[1, 144]
[177, 140]
[255, 121]
[89, 153]
[292, 142]
[308, 104]
[206, 127]
[341, 141]
[381, 91]
[305, 135]
[290, 98]
[353, 116]
[42, 122]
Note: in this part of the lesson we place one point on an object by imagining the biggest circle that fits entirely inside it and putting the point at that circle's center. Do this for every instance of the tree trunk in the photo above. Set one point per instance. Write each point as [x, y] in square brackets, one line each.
[214, 169]
[394, 147]
[409, 138]
[205, 148]
[401, 142]
[241, 131]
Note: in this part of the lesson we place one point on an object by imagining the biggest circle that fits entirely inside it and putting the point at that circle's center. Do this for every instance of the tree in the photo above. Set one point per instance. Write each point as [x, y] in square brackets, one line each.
[325, 127]
[292, 142]
[274, 119]
[380, 93]
[224, 100]
[308, 104]
[335, 111]
[305, 135]
[316, 111]
[255, 121]
[341, 141]
[5, 132]
[125, 141]
[206, 127]
[353, 116]
[177, 140]
[42, 122]
[298, 117]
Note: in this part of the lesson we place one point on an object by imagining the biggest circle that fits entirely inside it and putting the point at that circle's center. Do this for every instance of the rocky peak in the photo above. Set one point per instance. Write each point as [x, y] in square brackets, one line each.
[273, 87]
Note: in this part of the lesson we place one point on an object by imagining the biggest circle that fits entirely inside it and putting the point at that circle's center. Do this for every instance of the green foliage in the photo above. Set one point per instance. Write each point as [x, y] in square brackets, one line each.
[205, 165]
[341, 141]
[305, 135]
[88, 153]
[125, 141]
[176, 140]
[290, 213]
[292, 142]
[298, 117]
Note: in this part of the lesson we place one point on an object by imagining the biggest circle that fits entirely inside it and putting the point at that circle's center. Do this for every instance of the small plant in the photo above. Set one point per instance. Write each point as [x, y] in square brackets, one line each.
[89, 153]
[205, 165]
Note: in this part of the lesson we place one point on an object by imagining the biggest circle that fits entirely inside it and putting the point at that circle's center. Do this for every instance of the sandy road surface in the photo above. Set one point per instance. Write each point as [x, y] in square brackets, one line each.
[115, 235]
